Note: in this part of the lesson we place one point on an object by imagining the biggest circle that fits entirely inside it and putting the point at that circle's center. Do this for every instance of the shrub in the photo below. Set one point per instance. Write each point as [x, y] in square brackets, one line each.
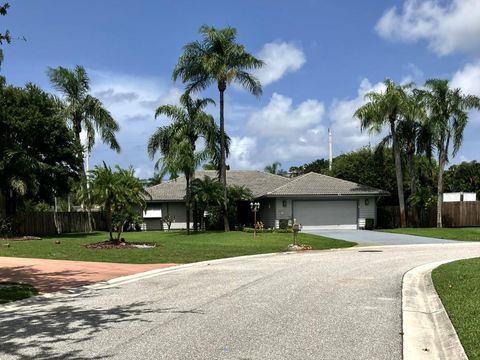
[369, 224]
[283, 224]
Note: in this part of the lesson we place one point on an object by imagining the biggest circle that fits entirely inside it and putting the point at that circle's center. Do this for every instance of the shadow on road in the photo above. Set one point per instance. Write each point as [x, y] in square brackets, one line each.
[31, 331]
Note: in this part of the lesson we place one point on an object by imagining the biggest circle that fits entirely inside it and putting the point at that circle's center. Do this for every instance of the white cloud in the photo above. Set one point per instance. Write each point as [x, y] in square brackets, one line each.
[279, 117]
[280, 131]
[347, 135]
[280, 58]
[447, 26]
[132, 101]
[468, 79]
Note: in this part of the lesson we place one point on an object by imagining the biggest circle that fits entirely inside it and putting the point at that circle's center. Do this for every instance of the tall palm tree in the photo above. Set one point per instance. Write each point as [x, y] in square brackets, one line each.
[386, 109]
[447, 116]
[413, 137]
[218, 59]
[177, 142]
[84, 112]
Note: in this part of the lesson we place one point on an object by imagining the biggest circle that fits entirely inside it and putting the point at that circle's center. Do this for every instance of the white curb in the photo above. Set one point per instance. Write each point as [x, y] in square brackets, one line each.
[427, 330]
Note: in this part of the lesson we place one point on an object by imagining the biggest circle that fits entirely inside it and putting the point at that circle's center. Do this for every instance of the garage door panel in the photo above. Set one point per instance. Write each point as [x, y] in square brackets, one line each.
[326, 214]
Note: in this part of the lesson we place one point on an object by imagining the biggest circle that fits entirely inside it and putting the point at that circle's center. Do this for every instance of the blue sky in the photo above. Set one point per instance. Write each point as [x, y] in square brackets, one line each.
[321, 58]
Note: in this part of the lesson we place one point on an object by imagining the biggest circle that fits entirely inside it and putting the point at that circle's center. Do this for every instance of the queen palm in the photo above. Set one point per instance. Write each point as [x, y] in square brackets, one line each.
[177, 142]
[447, 111]
[84, 112]
[218, 59]
[386, 109]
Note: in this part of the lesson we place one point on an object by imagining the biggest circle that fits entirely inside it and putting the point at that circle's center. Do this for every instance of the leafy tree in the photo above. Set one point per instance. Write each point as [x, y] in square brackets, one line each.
[83, 112]
[387, 109]
[154, 180]
[464, 177]
[177, 142]
[218, 59]
[447, 111]
[320, 166]
[38, 153]
[120, 194]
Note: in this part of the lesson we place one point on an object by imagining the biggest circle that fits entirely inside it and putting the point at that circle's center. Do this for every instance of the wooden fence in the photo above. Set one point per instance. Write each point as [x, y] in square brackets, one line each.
[454, 214]
[49, 223]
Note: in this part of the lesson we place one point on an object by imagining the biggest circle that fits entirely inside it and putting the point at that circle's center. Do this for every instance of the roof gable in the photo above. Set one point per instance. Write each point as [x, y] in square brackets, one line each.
[317, 184]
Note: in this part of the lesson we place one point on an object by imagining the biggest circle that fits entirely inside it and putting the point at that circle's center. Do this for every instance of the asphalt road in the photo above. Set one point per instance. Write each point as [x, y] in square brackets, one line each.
[341, 304]
[365, 237]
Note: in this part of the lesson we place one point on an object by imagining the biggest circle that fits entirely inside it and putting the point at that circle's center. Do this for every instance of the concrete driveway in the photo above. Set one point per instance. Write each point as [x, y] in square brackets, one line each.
[365, 237]
[339, 304]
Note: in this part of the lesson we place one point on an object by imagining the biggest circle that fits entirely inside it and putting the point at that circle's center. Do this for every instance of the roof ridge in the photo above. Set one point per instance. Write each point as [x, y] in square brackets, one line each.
[288, 183]
[349, 182]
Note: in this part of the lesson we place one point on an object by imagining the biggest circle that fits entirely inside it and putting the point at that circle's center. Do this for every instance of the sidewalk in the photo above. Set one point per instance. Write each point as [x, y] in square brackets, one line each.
[54, 275]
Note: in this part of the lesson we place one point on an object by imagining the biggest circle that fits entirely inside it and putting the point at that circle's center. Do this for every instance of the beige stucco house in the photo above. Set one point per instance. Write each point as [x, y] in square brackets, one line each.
[314, 200]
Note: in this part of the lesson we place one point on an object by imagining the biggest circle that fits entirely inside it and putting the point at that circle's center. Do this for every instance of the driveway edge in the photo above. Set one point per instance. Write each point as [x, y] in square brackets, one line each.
[428, 332]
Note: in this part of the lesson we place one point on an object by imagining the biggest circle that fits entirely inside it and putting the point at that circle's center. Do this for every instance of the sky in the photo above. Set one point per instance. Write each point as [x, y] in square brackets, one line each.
[321, 58]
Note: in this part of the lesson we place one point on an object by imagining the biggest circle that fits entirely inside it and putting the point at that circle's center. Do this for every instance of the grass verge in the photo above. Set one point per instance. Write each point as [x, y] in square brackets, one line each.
[458, 287]
[462, 234]
[171, 247]
[15, 291]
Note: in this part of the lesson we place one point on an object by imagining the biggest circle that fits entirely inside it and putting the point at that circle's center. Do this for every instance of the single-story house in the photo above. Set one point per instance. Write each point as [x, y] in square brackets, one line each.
[314, 200]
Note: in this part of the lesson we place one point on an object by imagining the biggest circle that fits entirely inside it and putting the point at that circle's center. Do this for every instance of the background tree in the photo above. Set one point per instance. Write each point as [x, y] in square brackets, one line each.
[83, 112]
[177, 142]
[464, 177]
[276, 169]
[119, 193]
[218, 59]
[38, 152]
[447, 111]
[386, 109]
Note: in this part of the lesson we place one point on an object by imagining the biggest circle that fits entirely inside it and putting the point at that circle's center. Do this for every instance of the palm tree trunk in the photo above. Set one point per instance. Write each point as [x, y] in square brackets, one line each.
[187, 202]
[398, 173]
[441, 168]
[83, 175]
[223, 167]
[413, 184]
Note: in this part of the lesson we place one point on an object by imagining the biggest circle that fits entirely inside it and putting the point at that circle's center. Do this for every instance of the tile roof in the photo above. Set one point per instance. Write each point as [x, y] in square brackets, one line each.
[258, 182]
[312, 184]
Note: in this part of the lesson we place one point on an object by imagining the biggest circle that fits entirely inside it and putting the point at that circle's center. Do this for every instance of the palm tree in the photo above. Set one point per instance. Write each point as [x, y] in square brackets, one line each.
[177, 142]
[413, 137]
[386, 109]
[447, 111]
[84, 112]
[275, 168]
[218, 59]
[205, 192]
[119, 193]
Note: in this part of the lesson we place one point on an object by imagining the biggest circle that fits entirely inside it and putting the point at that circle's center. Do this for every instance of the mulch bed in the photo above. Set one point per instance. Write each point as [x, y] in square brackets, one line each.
[20, 238]
[119, 245]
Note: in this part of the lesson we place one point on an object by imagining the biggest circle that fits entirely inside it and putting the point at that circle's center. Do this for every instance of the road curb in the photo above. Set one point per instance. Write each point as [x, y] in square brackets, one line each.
[428, 332]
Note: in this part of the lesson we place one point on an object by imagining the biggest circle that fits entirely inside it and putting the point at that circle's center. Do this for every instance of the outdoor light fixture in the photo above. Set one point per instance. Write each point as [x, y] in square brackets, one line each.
[254, 206]
[367, 201]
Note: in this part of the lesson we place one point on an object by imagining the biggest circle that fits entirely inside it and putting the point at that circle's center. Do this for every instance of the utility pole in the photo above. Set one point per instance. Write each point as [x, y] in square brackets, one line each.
[330, 150]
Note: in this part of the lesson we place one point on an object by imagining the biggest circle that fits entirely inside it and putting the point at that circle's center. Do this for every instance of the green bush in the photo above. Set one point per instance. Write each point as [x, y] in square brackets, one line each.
[283, 224]
[369, 223]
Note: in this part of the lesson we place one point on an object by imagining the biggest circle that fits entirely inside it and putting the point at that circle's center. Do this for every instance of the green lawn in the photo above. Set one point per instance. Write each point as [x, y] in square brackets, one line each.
[14, 291]
[171, 247]
[466, 234]
[458, 285]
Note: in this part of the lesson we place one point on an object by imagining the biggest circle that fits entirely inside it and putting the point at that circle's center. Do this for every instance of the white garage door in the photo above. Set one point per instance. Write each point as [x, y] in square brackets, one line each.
[326, 214]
